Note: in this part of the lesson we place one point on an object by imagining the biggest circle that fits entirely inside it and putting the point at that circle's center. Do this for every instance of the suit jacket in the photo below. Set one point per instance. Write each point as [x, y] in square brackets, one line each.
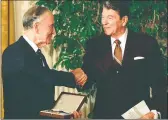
[28, 86]
[121, 87]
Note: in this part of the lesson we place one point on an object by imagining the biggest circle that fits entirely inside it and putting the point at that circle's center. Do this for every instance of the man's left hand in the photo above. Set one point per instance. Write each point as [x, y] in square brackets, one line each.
[76, 115]
[149, 115]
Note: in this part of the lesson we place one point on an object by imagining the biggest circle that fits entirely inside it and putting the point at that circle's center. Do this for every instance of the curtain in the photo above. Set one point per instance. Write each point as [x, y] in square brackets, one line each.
[7, 18]
[7, 24]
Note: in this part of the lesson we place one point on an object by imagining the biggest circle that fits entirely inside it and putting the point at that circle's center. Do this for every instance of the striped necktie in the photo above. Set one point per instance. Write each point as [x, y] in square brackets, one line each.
[118, 52]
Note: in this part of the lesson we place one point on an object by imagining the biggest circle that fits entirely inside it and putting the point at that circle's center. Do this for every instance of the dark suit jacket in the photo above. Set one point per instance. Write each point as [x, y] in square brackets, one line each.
[121, 87]
[29, 87]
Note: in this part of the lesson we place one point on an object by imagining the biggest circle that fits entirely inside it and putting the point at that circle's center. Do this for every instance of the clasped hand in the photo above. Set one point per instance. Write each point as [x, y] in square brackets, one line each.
[80, 76]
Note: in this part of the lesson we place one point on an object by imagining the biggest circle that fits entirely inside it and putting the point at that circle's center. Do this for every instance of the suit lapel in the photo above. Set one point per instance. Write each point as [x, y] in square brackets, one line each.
[108, 59]
[105, 54]
[26, 47]
[128, 53]
[29, 54]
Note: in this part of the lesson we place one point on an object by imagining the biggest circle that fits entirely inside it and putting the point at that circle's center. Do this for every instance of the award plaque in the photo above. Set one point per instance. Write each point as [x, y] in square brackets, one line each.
[65, 105]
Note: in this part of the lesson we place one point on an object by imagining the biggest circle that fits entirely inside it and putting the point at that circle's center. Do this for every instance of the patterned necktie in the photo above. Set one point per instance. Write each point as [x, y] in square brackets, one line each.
[42, 58]
[118, 52]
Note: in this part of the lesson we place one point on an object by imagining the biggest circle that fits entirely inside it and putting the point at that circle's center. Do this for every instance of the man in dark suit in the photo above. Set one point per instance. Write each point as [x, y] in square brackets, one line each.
[28, 83]
[126, 67]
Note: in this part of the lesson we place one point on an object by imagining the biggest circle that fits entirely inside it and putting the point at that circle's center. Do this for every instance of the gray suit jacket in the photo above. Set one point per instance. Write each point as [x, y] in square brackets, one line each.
[121, 87]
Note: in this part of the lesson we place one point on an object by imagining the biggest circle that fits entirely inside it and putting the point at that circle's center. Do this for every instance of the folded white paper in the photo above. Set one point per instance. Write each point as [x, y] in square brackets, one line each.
[137, 111]
[138, 58]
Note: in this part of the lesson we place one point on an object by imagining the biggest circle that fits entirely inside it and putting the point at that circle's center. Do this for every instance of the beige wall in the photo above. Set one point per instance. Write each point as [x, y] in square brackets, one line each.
[20, 7]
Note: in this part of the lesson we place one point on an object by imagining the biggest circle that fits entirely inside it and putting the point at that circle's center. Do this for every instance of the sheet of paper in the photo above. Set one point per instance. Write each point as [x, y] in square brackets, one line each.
[137, 111]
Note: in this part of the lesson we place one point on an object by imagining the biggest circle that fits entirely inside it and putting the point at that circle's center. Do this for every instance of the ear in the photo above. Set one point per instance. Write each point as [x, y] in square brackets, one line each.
[124, 20]
[36, 27]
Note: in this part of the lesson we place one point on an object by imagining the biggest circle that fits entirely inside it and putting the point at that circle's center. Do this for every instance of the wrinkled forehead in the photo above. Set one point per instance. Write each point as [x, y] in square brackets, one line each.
[47, 17]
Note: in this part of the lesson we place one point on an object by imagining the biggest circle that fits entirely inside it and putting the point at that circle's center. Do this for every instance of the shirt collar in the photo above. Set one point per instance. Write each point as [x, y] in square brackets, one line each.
[31, 43]
[122, 38]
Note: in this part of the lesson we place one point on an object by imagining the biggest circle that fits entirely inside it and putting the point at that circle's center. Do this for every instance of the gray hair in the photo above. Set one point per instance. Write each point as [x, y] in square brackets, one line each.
[32, 15]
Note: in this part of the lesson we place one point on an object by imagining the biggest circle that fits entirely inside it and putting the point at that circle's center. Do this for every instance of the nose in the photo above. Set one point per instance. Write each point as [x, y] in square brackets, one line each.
[104, 21]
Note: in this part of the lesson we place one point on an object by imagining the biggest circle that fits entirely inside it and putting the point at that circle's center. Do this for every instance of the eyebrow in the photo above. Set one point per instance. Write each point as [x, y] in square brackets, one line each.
[108, 16]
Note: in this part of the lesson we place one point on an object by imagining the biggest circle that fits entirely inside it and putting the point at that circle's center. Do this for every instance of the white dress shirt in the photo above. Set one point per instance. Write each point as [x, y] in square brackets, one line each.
[31, 43]
[122, 39]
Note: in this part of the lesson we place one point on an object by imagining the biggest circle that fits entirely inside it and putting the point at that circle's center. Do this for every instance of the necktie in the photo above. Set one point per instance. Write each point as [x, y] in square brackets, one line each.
[118, 52]
[42, 58]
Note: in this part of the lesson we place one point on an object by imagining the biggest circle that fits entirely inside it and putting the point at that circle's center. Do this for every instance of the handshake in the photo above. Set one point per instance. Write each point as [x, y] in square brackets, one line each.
[80, 76]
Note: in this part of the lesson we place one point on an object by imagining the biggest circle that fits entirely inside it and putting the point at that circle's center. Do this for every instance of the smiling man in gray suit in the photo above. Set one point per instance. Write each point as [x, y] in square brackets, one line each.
[126, 66]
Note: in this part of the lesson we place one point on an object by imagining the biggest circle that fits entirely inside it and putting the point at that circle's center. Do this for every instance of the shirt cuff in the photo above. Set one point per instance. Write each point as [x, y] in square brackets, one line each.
[157, 114]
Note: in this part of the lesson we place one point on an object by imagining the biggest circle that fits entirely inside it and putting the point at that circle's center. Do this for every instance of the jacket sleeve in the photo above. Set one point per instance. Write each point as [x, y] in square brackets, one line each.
[157, 79]
[89, 65]
[13, 64]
